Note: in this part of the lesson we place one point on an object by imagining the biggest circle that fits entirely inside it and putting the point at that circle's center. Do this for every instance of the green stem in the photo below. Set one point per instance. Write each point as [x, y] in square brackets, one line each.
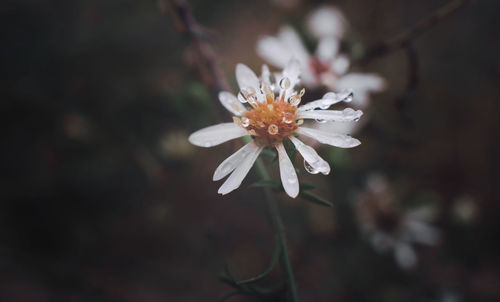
[279, 229]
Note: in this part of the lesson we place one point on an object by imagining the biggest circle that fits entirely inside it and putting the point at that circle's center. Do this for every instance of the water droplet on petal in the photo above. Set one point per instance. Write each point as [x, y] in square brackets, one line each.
[285, 83]
[241, 97]
[325, 104]
[348, 111]
[302, 92]
[321, 121]
[310, 168]
[346, 95]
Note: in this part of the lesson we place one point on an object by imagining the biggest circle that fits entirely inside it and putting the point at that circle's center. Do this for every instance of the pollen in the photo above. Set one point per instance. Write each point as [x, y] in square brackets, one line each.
[269, 122]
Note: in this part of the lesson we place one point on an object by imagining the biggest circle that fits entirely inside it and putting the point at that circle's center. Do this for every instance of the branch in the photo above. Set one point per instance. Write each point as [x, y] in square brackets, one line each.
[184, 22]
[403, 39]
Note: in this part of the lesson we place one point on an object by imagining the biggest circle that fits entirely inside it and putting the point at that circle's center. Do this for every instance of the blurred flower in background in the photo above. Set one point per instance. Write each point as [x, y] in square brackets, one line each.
[392, 228]
[327, 66]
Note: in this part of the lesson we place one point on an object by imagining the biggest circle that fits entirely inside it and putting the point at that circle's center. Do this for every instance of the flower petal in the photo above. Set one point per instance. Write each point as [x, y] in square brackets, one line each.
[346, 115]
[334, 139]
[327, 48]
[327, 21]
[326, 101]
[216, 134]
[230, 163]
[246, 78]
[405, 255]
[234, 180]
[362, 82]
[289, 37]
[231, 103]
[274, 51]
[265, 74]
[318, 164]
[292, 72]
[340, 64]
[287, 172]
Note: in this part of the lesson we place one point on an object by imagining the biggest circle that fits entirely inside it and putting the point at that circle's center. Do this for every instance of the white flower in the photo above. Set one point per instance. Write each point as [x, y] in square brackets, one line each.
[274, 115]
[327, 21]
[326, 67]
[389, 228]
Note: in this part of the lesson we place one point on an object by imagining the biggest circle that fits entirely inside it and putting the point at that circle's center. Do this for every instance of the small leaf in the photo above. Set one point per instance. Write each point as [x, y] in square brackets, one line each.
[316, 199]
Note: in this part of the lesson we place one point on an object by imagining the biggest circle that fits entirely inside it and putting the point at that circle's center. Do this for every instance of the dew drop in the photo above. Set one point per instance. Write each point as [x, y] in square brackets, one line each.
[325, 104]
[294, 100]
[273, 129]
[285, 83]
[348, 111]
[242, 98]
[302, 92]
[252, 99]
[346, 95]
[245, 122]
[321, 121]
[310, 168]
[288, 118]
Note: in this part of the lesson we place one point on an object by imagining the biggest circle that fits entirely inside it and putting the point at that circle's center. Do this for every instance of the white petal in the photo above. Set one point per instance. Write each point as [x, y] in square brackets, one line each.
[327, 48]
[326, 101]
[231, 103]
[405, 255]
[327, 21]
[423, 233]
[217, 134]
[246, 77]
[334, 139]
[265, 74]
[362, 82]
[341, 127]
[274, 51]
[230, 163]
[289, 37]
[340, 64]
[234, 180]
[287, 172]
[292, 72]
[346, 115]
[318, 164]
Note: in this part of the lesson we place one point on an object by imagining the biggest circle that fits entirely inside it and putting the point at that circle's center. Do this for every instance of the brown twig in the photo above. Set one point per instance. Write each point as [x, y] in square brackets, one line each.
[403, 39]
[212, 76]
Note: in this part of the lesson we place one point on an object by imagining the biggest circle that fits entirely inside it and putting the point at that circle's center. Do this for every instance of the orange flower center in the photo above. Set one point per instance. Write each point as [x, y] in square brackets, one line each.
[269, 122]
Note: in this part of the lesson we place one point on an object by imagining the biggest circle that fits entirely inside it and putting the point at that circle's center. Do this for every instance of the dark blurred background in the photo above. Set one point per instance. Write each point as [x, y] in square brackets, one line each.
[103, 198]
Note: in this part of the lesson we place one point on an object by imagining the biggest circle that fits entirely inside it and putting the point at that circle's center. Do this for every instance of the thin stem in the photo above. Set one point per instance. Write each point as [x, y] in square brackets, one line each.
[404, 38]
[279, 228]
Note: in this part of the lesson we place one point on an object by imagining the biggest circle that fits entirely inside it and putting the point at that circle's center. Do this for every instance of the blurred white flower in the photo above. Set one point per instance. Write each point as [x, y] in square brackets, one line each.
[327, 21]
[326, 67]
[389, 227]
[273, 115]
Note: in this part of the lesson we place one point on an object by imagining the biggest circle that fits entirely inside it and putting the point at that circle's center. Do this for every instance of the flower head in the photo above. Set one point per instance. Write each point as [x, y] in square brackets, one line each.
[326, 67]
[269, 112]
[390, 227]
